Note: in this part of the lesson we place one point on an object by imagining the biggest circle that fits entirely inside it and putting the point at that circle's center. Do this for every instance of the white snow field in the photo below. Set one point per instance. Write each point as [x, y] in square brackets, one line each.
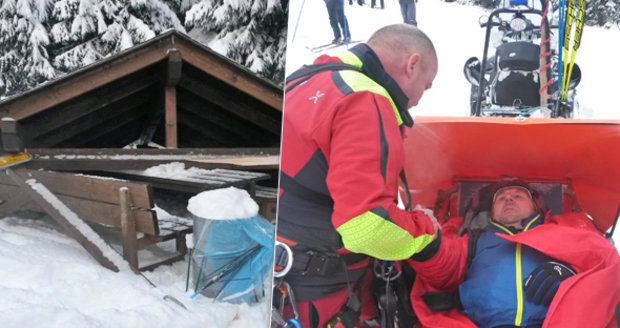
[48, 280]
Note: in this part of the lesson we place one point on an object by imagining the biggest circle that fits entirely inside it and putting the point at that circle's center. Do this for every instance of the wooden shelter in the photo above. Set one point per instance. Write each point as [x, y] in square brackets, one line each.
[170, 90]
[207, 111]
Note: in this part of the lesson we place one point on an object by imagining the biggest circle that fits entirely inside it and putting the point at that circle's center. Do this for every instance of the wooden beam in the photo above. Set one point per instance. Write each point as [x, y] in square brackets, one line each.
[13, 200]
[171, 117]
[174, 67]
[128, 230]
[207, 130]
[85, 80]
[20, 176]
[83, 159]
[224, 122]
[87, 127]
[231, 74]
[243, 110]
[173, 75]
[75, 109]
[110, 129]
[102, 189]
[97, 212]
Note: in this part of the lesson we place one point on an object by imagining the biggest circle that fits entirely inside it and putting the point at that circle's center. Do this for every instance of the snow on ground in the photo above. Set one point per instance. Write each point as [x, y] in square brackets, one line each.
[457, 36]
[48, 280]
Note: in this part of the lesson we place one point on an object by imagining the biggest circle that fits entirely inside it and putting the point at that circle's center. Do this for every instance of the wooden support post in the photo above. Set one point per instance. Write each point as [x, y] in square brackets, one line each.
[11, 141]
[171, 117]
[128, 230]
[173, 75]
[20, 176]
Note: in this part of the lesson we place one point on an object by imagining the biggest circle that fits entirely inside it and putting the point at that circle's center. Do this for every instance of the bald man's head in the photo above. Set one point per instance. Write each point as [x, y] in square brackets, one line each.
[408, 56]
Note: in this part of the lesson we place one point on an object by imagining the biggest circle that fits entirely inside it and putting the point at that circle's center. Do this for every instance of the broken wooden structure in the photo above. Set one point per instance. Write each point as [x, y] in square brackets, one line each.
[91, 135]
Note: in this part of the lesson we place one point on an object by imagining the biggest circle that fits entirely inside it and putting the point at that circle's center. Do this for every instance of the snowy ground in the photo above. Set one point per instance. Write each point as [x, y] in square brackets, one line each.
[48, 280]
[457, 36]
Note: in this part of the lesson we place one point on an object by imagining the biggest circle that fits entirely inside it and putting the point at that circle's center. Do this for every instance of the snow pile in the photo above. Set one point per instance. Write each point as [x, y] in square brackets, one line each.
[223, 204]
[48, 280]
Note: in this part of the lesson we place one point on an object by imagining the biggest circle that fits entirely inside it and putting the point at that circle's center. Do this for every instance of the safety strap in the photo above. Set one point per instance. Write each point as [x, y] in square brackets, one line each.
[472, 243]
[311, 262]
[289, 184]
[442, 301]
[307, 71]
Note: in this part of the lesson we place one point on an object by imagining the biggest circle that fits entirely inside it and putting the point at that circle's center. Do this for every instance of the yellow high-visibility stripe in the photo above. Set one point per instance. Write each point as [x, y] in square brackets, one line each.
[359, 82]
[518, 269]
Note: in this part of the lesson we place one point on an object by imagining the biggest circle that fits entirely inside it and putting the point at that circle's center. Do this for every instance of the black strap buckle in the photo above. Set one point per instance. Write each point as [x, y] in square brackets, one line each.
[322, 264]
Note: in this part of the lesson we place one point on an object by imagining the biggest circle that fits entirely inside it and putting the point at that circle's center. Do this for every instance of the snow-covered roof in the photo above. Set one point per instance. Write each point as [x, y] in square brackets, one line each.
[113, 102]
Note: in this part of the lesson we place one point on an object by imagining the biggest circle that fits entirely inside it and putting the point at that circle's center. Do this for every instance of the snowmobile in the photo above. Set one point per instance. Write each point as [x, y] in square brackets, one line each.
[510, 82]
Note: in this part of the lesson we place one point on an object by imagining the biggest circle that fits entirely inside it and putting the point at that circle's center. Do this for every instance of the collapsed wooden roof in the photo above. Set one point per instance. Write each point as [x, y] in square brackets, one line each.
[170, 90]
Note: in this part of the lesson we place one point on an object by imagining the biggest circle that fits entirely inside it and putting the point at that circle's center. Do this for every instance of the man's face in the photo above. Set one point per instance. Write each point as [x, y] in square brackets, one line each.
[421, 80]
[512, 205]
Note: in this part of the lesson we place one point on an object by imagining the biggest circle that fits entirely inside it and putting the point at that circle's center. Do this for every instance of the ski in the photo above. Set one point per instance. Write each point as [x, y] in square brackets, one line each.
[324, 47]
[561, 23]
[576, 42]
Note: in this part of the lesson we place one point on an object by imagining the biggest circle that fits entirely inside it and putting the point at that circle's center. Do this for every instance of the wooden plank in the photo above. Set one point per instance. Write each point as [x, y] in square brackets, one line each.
[241, 109]
[230, 74]
[110, 129]
[97, 212]
[128, 230]
[87, 126]
[20, 176]
[171, 117]
[269, 160]
[85, 80]
[93, 188]
[220, 120]
[128, 87]
[168, 154]
[207, 130]
[13, 200]
[82, 159]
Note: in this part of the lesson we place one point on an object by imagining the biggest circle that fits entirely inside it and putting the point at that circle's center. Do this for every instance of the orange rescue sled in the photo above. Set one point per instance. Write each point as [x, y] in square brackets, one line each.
[582, 155]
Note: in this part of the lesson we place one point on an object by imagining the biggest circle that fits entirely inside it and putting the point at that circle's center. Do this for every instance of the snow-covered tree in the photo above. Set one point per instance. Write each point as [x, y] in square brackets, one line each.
[252, 33]
[23, 40]
[44, 39]
[603, 13]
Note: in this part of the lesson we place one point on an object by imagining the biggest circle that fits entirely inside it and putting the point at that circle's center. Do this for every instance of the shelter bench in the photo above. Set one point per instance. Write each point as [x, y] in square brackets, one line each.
[121, 206]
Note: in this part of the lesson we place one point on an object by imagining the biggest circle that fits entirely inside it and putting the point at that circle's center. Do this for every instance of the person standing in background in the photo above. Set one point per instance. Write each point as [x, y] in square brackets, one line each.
[407, 9]
[373, 2]
[338, 21]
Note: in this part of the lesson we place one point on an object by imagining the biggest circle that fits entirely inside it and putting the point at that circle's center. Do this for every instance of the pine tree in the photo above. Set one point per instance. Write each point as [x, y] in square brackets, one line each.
[45, 39]
[23, 39]
[252, 33]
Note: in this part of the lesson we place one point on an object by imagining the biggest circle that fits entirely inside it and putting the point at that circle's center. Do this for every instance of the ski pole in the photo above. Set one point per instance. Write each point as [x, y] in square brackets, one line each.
[298, 19]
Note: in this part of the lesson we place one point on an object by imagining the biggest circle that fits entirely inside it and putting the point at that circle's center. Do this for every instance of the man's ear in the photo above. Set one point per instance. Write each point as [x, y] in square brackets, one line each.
[413, 64]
